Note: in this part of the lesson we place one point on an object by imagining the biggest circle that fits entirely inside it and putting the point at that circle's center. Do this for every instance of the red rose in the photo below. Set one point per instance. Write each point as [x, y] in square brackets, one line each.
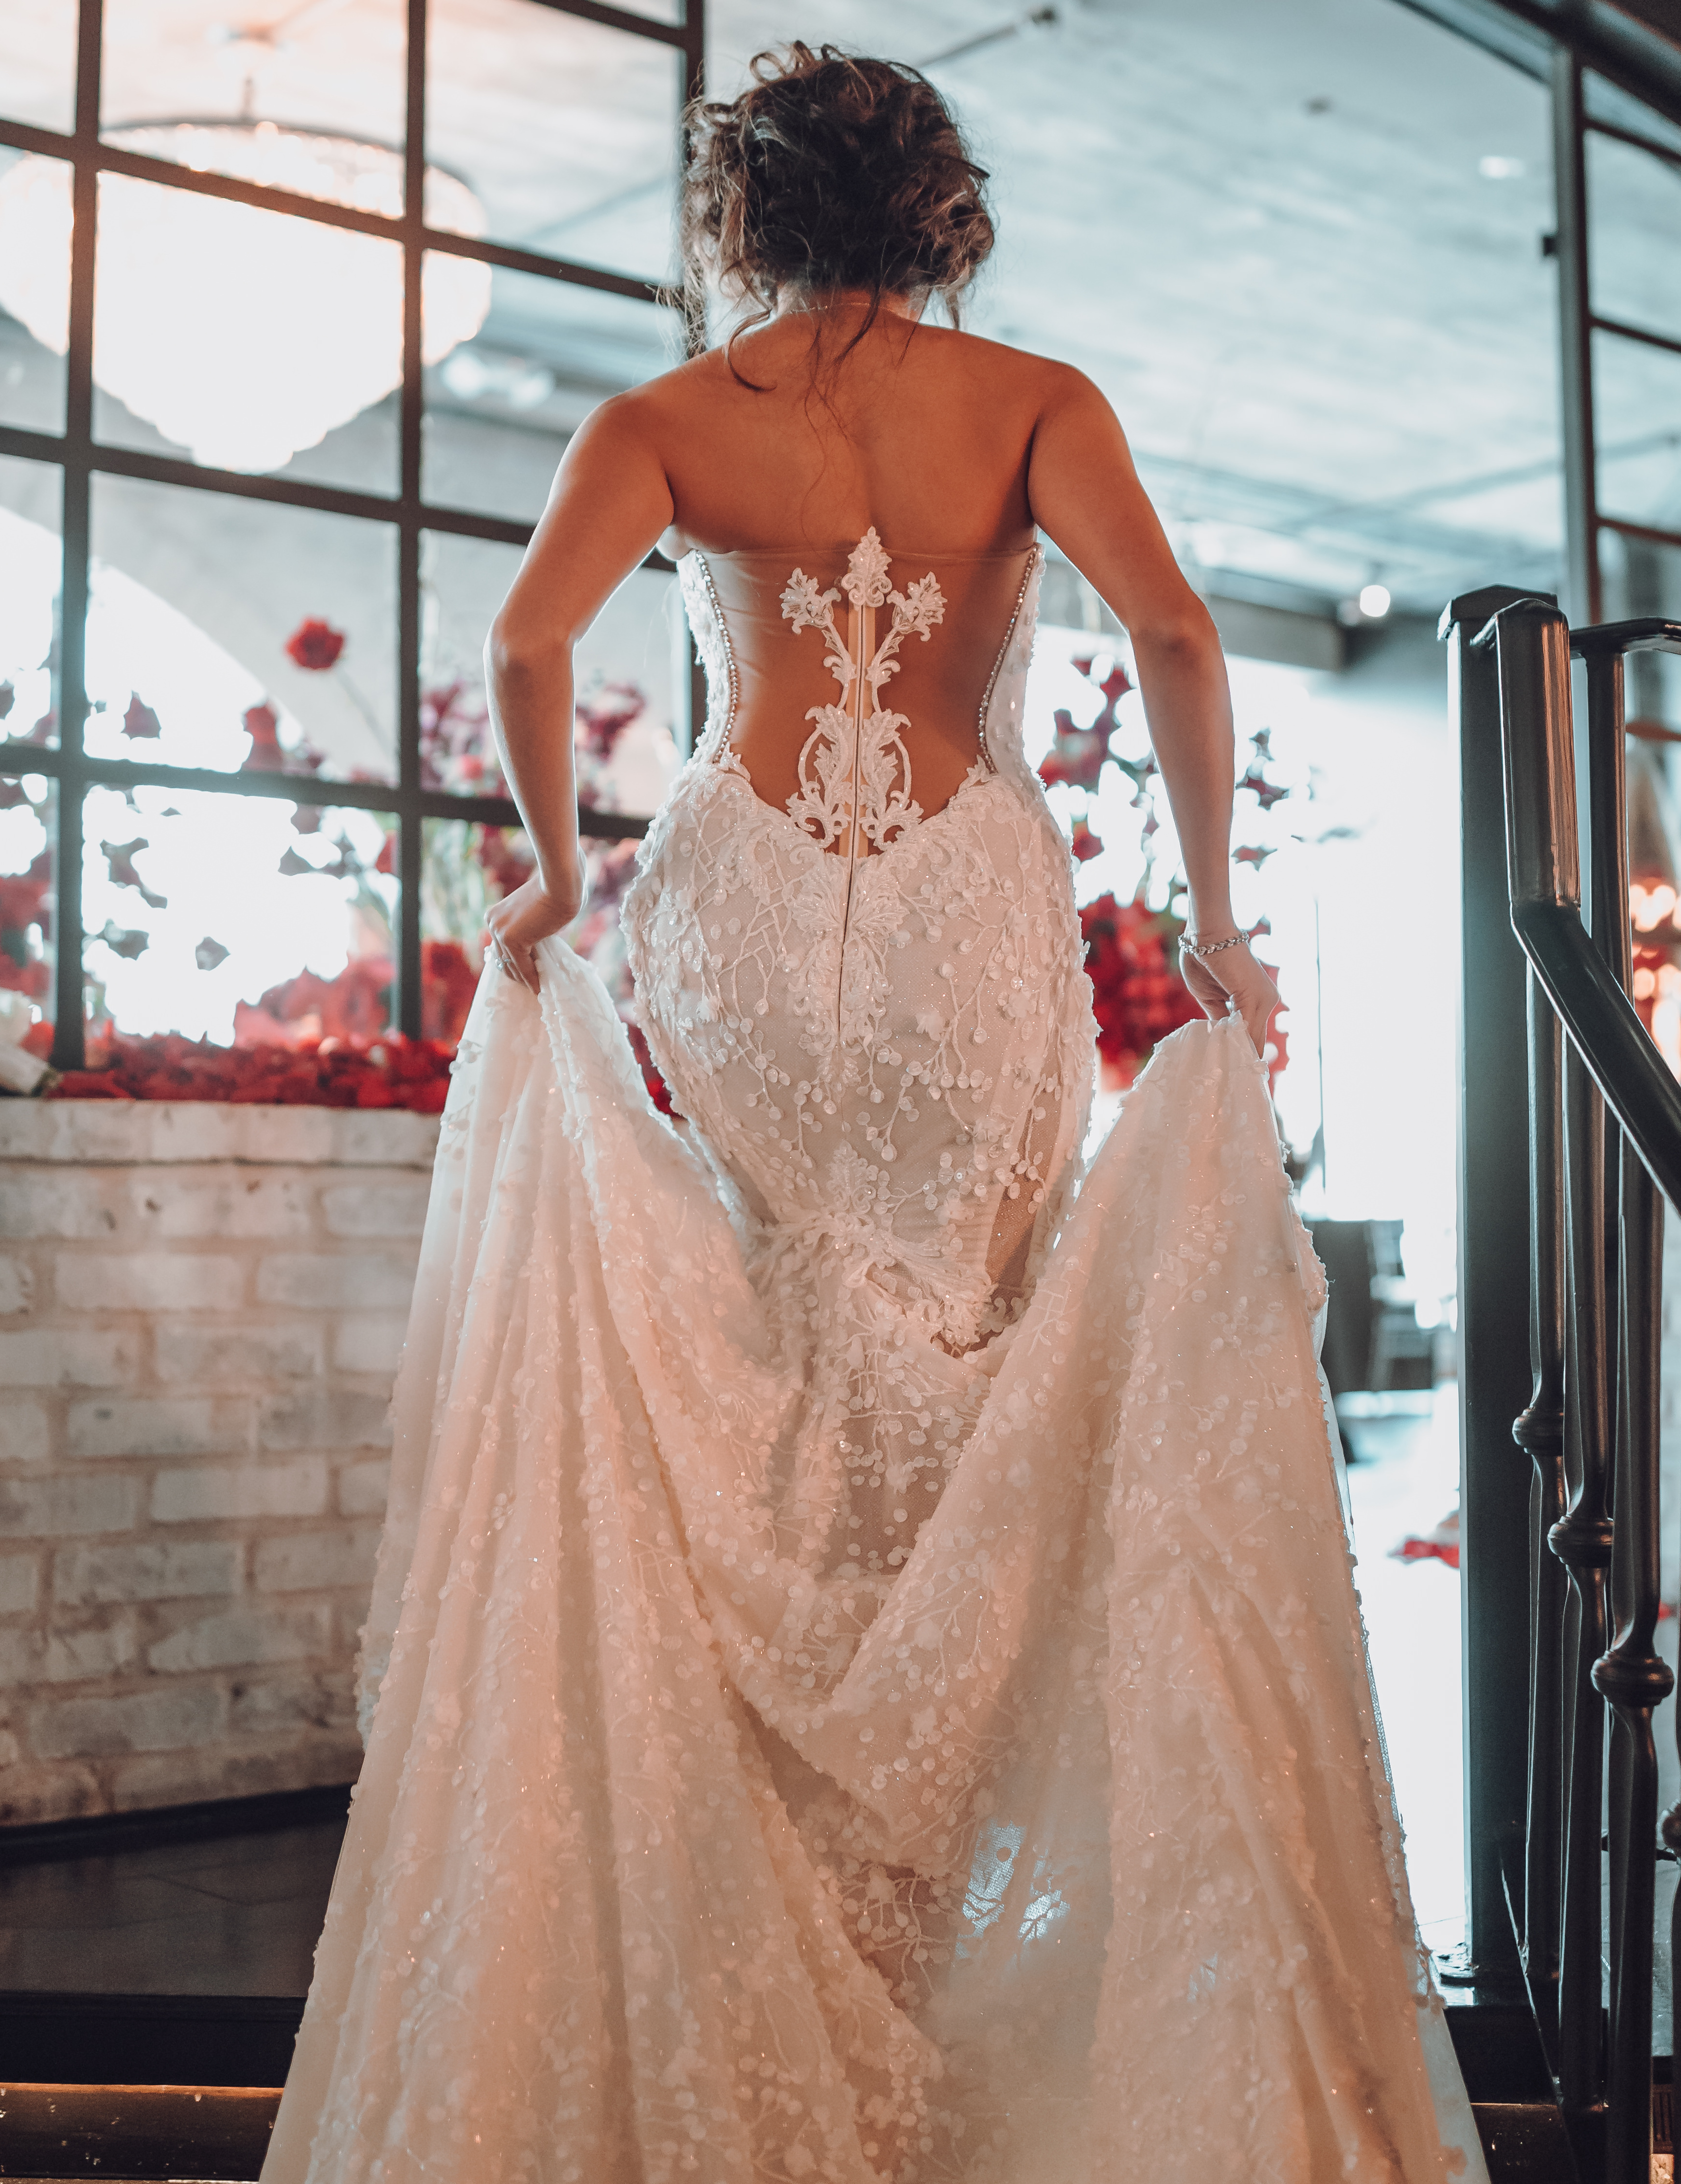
[315, 645]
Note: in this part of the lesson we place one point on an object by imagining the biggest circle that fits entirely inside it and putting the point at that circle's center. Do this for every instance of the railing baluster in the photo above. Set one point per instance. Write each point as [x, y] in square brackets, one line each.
[1539, 1431]
[1634, 1680]
[1631, 1676]
[1582, 1540]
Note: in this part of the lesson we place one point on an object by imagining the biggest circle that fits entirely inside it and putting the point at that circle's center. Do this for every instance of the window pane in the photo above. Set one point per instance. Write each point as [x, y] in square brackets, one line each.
[1634, 206]
[37, 63]
[565, 131]
[240, 919]
[34, 288]
[31, 508]
[463, 581]
[500, 408]
[1636, 420]
[242, 339]
[28, 923]
[230, 633]
[1641, 578]
[1608, 102]
[338, 72]
[464, 869]
[630, 666]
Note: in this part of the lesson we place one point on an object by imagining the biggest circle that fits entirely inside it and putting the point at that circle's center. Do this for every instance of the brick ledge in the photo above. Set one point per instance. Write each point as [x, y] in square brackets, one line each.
[171, 1132]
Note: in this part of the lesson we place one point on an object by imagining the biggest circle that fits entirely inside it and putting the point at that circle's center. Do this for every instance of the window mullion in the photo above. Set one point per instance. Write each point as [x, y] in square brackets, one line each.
[70, 696]
[410, 823]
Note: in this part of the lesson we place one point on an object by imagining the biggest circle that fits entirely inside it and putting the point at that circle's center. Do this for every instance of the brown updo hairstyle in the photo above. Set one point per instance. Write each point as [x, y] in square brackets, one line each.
[830, 171]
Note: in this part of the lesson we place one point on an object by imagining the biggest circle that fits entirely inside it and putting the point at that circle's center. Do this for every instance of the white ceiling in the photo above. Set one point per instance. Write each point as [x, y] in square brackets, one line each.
[1263, 225]
[1263, 230]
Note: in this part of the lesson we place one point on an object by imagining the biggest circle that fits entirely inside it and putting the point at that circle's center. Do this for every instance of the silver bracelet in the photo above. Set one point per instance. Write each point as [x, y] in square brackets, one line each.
[1199, 949]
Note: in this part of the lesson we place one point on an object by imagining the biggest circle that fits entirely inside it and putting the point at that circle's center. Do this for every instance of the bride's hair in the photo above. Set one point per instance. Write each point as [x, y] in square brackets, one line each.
[831, 171]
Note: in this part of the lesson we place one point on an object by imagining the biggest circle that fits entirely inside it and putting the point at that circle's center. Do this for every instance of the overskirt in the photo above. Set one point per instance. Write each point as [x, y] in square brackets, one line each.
[1084, 1870]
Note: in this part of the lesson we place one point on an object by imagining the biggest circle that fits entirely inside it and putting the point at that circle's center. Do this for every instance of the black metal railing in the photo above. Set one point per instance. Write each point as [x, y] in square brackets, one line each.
[1605, 1149]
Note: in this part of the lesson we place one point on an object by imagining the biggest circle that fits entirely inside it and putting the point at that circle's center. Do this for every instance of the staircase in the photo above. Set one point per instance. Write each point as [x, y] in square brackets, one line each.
[1570, 1144]
[156, 1966]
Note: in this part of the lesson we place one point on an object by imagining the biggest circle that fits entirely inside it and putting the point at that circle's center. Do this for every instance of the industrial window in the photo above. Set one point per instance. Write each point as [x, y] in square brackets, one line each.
[294, 322]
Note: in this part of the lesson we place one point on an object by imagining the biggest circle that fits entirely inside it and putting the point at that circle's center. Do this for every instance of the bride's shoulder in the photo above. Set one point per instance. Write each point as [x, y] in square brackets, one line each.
[718, 392]
[1005, 367]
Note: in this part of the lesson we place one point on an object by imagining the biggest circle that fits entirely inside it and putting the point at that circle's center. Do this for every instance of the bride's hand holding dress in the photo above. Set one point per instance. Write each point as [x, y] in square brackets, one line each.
[1232, 983]
[527, 914]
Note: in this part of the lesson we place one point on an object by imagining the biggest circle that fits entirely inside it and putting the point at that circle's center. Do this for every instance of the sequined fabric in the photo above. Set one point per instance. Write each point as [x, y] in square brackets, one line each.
[864, 1684]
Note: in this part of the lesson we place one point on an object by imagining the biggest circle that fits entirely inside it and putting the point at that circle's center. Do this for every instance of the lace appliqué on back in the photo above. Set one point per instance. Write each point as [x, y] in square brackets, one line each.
[855, 772]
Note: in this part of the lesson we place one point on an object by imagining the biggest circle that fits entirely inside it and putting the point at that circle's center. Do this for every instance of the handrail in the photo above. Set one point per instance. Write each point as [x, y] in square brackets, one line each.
[1647, 633]
[1532, 643]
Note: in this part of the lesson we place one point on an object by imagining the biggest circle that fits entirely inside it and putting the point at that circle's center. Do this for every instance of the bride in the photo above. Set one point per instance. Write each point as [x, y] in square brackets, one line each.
[863, 1681]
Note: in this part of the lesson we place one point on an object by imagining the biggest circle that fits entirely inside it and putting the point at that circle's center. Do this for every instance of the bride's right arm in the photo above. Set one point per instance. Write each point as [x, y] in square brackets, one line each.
[608, 505]
[1084, 494]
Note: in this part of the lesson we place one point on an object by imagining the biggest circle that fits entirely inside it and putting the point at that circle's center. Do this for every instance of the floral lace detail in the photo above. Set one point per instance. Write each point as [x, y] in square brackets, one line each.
[854, 770]
[868, 1685]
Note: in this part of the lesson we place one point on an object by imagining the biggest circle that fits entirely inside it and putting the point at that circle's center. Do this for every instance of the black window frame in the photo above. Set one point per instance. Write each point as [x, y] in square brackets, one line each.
[79, 457]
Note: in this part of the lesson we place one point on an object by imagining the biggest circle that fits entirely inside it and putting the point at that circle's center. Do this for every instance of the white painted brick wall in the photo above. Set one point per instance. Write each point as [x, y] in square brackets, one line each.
[201, 1311]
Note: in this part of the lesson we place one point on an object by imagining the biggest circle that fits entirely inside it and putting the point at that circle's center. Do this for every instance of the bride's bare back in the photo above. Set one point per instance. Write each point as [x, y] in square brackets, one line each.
[919, 435]
[935, 439]
[922, 432]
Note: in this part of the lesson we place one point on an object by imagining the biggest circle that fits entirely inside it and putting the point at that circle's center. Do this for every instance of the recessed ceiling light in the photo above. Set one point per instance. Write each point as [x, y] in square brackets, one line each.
[1374, 601]
[1496, 167]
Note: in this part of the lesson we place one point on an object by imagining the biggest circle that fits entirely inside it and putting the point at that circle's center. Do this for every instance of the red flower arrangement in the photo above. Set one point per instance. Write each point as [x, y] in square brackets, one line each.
[314, 645]
[1138, 995]
[356, 1005]
[262, 724]
[267, 754]
[23, 903]
[658, 1090]
[448, 985]
[386, 1072]
[140, 720]
[455, 737]
[1077, 756]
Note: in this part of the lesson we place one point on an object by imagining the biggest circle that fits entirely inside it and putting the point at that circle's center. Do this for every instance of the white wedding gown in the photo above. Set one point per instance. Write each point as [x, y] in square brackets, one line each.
[863, 1680]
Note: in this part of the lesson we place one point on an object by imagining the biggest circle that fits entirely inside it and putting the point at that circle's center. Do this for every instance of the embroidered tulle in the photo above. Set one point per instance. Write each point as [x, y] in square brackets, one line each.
[864, 1684]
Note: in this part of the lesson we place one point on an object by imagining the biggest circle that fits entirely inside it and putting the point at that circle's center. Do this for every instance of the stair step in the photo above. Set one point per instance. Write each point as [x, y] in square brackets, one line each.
[133, 2134]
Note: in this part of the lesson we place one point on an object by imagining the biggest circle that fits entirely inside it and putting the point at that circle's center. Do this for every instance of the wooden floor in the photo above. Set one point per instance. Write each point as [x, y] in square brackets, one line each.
[235, 1916]
[153, 1971]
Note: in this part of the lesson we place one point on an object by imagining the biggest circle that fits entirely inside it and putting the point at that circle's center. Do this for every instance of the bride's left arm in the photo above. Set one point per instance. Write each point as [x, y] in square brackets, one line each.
[610, 502]
[1084, 494]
